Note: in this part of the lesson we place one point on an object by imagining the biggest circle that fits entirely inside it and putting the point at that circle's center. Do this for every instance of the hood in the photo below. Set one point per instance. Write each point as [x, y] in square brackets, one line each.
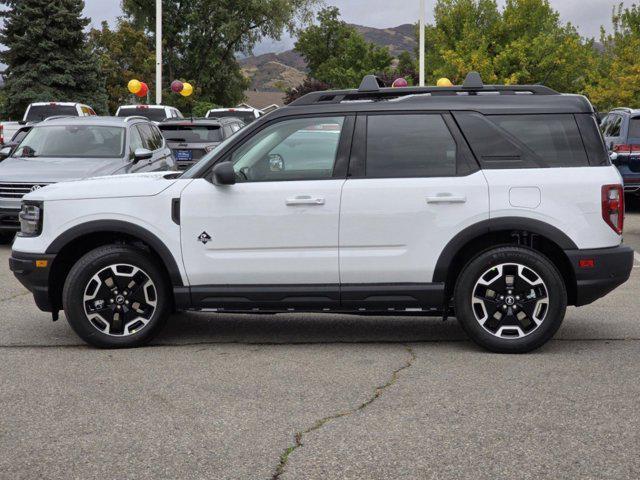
[51, 170]
[117, 186]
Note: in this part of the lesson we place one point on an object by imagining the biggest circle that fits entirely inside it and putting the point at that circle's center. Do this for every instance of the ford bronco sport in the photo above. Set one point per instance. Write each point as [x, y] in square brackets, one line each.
[496, 204]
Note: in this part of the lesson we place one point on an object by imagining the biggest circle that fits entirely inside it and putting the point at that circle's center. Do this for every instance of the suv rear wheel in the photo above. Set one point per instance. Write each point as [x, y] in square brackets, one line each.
[510, 299]
[115, 296]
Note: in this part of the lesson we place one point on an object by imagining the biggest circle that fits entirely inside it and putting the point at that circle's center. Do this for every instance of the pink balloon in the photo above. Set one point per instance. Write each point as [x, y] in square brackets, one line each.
[176, 86]
[399, 82]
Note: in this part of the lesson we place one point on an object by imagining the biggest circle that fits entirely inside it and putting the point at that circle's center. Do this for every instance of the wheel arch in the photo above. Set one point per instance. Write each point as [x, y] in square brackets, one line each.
[531, 233]
[79, 240]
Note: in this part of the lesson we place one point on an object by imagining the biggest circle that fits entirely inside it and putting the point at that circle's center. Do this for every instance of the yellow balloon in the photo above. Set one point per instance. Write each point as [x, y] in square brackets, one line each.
[444, 82]
[187, 89]
[134, 86]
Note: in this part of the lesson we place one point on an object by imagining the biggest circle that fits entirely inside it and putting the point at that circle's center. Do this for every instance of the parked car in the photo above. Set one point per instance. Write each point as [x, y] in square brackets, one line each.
[247, 115]
[191, 139]
[404, 208]
[39, 111]
[62, 149]
[155, 113]
[621, 130]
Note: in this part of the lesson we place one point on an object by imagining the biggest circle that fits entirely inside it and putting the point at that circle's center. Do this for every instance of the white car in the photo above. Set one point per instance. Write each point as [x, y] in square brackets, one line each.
[155, 113]
[496, 204]
[247, 115]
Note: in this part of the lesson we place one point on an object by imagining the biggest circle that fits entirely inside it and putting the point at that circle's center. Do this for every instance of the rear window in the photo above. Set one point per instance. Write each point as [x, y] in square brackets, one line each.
[153, 114]
[192, 133]
[246, 117]
[38, 113]
[524, 141]
[634, 130]
[409, 146]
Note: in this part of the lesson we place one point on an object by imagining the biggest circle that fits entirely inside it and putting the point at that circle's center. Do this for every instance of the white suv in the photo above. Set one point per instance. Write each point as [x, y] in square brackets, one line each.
[496, 204]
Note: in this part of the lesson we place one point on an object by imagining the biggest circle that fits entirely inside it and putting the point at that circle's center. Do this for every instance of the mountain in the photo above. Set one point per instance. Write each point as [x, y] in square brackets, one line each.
[272, 72]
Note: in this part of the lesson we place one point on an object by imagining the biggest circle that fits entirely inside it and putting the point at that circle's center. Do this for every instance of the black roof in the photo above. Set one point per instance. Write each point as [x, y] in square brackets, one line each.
[472, 95]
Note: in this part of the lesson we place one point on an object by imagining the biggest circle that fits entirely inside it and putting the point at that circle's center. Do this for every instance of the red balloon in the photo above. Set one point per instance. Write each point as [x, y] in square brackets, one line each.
[144, 89]
[176, 86]
[400, 82]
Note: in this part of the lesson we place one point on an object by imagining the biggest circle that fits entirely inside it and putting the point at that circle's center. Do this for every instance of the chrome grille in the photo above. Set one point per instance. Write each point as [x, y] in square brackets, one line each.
[17, 190]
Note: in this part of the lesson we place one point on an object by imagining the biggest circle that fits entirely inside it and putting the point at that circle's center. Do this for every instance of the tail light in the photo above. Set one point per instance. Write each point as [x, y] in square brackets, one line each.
[1, 134]
[613, 207]
[626, 148]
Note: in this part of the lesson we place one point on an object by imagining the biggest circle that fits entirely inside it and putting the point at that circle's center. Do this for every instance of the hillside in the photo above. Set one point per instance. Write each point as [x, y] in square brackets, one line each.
[272, 72]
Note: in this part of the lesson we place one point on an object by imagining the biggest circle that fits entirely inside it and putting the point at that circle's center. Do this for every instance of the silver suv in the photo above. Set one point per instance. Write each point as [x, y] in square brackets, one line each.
[73, 148]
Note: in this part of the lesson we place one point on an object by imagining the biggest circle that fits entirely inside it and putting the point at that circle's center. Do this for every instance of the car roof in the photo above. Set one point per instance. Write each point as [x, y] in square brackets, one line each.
[199, 121]
[140, 106]
[64, 104]
[92, 120]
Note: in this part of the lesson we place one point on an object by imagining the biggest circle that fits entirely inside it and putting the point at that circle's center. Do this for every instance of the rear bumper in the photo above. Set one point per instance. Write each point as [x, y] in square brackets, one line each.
[34, 278]
[611, 268]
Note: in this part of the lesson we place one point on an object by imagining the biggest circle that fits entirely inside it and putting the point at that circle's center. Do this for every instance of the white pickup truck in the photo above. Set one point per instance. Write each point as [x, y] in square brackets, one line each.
[38, 111]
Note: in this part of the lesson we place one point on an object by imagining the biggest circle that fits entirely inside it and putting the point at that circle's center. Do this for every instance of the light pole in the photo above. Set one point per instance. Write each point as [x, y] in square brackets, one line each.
[158, 52]
[421, 26]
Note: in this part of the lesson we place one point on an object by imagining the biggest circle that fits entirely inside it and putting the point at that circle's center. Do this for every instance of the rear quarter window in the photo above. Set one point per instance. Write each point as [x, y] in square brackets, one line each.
[524, 141]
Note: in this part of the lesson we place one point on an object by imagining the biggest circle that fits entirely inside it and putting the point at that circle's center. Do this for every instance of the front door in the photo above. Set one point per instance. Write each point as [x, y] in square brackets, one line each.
[273, 236]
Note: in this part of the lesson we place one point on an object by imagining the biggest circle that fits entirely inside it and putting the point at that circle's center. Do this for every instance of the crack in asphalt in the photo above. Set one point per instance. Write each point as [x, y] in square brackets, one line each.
[284, 456]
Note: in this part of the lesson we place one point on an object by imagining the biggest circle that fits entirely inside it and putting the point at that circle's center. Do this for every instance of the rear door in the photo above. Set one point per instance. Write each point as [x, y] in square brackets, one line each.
[413, 186]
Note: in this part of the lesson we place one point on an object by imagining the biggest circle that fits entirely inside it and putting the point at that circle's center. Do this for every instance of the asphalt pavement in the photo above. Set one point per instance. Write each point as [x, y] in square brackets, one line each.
[321, 397]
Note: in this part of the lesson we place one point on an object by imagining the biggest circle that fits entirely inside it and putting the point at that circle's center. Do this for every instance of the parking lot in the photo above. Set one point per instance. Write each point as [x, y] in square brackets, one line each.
[312, 396]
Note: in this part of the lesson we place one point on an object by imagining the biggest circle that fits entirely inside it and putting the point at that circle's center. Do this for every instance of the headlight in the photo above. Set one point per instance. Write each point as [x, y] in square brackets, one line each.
[30, 219]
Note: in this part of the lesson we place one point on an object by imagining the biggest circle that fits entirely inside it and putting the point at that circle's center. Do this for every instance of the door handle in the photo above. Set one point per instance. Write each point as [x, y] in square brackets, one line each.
[447, 198]
[305, 200]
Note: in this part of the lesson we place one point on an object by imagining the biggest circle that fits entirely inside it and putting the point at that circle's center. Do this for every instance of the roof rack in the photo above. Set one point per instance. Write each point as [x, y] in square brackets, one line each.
[372, 88]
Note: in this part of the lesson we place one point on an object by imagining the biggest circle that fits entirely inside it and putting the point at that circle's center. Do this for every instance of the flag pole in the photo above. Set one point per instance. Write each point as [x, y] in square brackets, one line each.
[158, 52]
[422, 40]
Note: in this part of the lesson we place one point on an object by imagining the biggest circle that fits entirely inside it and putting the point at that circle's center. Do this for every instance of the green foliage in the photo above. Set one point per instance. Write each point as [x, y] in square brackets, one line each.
[200, 108]
[337, 54]
[124, 53]
[47, 56]
[525, 42]
[616, 79]
[202, 37]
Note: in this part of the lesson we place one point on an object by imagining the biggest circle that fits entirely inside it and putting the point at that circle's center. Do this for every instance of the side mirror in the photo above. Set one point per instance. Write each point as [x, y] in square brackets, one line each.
[141, 154]
[5, 152]
[224, 174]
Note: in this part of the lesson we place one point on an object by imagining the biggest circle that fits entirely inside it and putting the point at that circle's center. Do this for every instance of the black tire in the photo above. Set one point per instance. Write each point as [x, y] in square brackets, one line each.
[466, 312]
[98, 260]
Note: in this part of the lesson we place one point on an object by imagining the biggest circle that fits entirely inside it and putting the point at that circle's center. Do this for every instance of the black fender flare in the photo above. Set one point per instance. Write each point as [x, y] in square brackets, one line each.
[494, 225]
[119, 226]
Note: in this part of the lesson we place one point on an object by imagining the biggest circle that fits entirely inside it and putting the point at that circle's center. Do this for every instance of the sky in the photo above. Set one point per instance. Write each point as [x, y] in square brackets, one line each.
[586, 15]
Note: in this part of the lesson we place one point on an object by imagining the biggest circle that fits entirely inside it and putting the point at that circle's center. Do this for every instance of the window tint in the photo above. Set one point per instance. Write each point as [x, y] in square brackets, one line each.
[149, 140]
[592, 139]
[614, 126]
[634, 129]
[301, 149]
[135, 141]
[40, 112]
[192, 133]
[553, 138]
[604, 124]
[409, 146]
[155, 114]
[157, 136]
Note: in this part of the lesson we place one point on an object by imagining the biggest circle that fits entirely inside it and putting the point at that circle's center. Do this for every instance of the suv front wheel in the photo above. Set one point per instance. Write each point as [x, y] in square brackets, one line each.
[115, 296]
[510, 299]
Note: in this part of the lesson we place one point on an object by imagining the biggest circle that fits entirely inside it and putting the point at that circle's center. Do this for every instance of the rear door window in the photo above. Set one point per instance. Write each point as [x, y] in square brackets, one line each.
[634, 130]
[409, 146]
[148, 141]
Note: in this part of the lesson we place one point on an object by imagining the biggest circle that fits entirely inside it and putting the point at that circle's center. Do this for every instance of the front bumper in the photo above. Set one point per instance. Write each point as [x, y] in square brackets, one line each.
[9, 221]
[34, 277]
[611, 268]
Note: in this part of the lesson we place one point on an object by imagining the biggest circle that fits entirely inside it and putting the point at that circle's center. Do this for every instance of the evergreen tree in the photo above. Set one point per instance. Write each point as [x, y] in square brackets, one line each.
[47, 56]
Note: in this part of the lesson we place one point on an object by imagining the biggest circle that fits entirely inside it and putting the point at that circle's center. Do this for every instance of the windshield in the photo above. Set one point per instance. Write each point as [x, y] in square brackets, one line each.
[192, 133]
[72, 141]
[153, 114]
[38, 113]
[246, 117]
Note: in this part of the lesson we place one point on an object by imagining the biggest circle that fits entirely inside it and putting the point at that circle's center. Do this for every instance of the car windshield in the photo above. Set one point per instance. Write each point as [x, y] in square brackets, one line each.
[72, 141]
[246, 117]
[192, 133]
[38, 113]
[155, 114]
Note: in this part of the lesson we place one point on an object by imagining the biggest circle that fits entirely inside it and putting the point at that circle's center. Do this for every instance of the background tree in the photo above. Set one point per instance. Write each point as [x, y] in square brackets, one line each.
[123, 54]
[47, 56]
[307, 86]
[523, 43]
[337, 54]
[616, 79]
[202, 37]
